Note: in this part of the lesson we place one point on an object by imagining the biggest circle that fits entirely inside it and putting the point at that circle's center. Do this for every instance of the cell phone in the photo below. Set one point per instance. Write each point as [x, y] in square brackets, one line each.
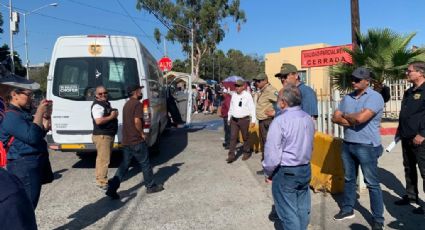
[240, 104]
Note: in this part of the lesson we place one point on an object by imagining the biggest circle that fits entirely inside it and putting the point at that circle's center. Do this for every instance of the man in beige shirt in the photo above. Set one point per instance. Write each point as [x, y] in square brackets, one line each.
[267, 96]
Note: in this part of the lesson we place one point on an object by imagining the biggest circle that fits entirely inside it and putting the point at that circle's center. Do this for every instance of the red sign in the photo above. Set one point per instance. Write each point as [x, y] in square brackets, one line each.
[165, 64]
[325, 56]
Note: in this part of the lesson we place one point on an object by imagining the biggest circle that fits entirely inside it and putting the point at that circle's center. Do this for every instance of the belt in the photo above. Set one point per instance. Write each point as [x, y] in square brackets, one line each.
[293, 166]
[237, 119]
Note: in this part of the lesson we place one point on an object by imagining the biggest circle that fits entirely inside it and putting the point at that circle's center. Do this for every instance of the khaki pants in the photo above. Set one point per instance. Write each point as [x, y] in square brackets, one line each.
[104, 148]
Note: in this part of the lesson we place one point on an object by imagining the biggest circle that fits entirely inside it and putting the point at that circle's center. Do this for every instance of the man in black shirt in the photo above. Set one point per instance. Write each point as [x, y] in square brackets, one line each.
[411, 130]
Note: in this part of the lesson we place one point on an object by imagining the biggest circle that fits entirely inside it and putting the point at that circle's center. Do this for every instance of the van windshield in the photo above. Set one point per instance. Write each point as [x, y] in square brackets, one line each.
[77, 78]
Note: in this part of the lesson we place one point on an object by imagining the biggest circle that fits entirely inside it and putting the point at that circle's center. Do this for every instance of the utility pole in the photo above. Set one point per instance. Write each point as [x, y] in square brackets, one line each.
[12, 58]
[355, 23]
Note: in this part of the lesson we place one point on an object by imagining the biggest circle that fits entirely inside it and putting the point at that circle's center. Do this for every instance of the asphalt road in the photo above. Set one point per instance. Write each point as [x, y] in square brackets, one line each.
[201, 191]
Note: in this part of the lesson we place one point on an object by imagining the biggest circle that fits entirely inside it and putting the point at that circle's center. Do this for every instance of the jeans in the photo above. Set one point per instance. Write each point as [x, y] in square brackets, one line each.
[291, 194]
[140, 152]
[365, 155]
[28, 170]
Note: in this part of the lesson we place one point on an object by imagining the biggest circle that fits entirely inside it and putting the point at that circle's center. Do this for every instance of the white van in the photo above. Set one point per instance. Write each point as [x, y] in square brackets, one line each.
[81, 63]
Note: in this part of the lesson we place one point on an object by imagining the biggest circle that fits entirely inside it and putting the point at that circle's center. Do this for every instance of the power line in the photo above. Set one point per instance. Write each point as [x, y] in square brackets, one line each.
[109, 11]
[88, 25]
[140, 28]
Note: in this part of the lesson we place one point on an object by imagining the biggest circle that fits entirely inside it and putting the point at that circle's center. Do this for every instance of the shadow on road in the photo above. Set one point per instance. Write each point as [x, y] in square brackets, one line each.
[91, 213]
[58, 173]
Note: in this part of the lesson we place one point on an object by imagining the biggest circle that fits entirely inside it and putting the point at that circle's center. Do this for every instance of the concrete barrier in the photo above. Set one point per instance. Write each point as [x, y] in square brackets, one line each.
[326, 164]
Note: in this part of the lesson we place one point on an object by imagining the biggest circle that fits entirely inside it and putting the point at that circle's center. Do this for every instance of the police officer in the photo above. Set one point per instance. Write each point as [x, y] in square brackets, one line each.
[267, 96]
[411, 130]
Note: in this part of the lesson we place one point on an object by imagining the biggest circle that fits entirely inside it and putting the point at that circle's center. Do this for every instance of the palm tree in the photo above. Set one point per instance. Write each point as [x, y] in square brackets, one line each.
[385, 52]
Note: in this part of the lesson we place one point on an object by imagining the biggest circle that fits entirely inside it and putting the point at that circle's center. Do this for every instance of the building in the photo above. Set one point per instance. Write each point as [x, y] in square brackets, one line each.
[316, 77]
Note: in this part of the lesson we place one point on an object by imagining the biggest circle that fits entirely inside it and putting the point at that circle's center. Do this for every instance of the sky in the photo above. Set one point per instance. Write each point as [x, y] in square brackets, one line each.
[271, 24]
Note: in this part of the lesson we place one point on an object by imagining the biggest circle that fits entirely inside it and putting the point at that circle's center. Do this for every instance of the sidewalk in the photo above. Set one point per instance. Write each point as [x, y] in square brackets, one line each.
[391, 173]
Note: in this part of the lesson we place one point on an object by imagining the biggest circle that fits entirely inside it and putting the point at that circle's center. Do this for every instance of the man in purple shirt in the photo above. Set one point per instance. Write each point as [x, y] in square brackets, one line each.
[287, 156]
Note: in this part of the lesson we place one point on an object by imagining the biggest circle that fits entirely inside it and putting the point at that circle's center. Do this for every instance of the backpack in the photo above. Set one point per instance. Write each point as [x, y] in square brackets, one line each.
[3, 151]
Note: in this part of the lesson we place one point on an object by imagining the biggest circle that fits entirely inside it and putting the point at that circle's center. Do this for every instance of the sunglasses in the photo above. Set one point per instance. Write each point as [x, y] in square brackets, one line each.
[408, 71]
[28, 94]
[102, 93]
[356, 80]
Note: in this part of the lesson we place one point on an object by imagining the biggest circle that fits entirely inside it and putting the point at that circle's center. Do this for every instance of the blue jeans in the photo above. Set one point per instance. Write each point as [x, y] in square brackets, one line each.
[140, 152]
[366, 156]
[28, 170]
[291, 194]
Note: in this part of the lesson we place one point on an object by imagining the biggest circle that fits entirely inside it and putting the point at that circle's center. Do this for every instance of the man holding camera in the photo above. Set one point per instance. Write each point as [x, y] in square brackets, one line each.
[105, 126]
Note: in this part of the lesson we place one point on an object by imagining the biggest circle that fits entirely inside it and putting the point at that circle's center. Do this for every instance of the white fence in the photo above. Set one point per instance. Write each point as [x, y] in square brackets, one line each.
[328, 103]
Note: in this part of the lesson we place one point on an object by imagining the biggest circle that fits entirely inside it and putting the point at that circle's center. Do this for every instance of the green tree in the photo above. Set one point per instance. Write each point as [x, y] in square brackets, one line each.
[1, 23]
[385, 52]
[205, 18]
[40, 76]
[4, 55]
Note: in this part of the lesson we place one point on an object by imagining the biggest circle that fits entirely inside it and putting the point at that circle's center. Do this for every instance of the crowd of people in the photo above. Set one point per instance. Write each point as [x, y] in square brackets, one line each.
[287, 123]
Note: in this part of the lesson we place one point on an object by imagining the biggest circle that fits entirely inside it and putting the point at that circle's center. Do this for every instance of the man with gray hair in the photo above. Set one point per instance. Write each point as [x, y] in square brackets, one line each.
[411, 130]
[287, 159]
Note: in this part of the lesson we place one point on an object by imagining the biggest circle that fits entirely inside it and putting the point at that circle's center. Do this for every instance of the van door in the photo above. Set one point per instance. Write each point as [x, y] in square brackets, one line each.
[181, 96]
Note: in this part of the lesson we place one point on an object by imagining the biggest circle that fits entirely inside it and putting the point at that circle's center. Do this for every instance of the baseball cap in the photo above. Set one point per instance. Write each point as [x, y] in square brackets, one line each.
[132, 88]
[362, 73]
[285, 69]
[14, 80]
[240, 82]
[260, 76]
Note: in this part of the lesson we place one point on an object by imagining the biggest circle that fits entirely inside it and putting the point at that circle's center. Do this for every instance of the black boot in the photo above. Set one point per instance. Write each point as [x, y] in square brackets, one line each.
[113, 185]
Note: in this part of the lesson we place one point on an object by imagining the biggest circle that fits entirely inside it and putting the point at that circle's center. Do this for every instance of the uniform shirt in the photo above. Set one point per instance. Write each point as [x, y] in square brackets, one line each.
[130, 135]
[308, 100]
[246, 108]
[289, 140]
[266, 97]
[412, 113]
[368, 132]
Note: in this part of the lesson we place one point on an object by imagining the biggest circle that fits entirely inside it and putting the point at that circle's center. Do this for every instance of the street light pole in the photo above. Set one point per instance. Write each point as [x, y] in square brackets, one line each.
[12, 65]
[192, 51]
[27, 64]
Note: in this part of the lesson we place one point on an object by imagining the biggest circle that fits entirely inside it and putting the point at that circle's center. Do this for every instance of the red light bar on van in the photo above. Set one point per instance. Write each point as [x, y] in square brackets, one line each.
[96, 36]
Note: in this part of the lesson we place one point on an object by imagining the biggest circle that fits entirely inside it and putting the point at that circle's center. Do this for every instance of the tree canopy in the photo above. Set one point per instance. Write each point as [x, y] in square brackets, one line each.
[4, 57]
[385, 52]
[219, 65]
[205, 18]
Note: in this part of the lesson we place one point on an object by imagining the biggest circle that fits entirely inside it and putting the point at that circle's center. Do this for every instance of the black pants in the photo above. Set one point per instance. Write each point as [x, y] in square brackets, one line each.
[226, 132]
[413, 155]
[264, 129]
[242, 125]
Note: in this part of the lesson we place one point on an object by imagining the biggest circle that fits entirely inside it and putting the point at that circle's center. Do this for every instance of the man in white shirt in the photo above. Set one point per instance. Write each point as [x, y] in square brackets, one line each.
[105, 126]
[241, 112]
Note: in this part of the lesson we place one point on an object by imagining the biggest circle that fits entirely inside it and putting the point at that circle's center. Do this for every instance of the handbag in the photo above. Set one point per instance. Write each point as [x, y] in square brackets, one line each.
[46, 170]
[3, 151]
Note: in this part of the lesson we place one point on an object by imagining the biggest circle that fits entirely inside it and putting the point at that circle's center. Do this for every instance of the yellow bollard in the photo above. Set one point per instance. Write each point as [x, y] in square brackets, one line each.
[326, 164]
